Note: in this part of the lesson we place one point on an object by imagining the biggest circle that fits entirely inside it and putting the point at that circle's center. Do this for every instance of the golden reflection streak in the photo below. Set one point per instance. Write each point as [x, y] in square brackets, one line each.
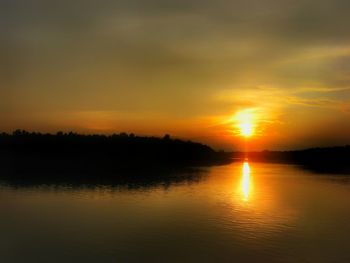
[246, 182]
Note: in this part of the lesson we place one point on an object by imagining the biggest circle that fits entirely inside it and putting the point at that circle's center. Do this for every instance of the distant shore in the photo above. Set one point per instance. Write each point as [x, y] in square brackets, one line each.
[69, 155]
[322, 160]
[23, 152]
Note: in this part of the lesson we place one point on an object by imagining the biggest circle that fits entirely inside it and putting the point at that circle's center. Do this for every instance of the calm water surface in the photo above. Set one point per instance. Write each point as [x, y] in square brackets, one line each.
[243, 212]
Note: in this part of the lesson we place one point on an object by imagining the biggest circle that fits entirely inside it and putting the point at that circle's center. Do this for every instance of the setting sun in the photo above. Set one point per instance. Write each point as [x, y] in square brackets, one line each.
[246, 129]
[245, 122]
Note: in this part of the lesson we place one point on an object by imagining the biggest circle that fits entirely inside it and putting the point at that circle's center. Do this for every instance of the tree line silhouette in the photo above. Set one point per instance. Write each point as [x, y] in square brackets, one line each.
[62, 152]
[31, 156]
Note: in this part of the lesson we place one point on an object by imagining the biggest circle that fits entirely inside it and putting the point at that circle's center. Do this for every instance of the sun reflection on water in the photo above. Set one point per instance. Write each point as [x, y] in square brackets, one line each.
[246, 181]
[256, 207]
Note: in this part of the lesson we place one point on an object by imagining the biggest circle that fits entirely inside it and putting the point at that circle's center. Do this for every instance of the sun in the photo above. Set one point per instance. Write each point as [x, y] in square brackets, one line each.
[246, 129]
[245, 122]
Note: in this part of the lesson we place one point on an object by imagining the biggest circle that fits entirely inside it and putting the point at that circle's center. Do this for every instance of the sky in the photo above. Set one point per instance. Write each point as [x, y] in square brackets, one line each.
[189, 68]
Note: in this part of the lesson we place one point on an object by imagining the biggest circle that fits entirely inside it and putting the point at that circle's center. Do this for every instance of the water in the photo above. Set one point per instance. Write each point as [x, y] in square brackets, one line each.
[243, 212]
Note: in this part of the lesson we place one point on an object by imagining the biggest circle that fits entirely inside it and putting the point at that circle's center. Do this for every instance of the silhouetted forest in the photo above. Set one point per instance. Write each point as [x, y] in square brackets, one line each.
[75, 155]
[128, 159]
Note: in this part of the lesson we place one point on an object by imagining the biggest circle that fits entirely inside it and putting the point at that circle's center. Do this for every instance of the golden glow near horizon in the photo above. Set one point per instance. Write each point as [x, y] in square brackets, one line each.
[246, 181]
[137, 72]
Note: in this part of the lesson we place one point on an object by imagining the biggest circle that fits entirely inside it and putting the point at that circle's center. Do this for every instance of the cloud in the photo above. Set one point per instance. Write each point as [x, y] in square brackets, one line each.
[186, 59]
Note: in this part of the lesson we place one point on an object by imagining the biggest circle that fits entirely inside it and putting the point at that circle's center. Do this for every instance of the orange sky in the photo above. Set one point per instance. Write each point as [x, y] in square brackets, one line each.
[186, 68]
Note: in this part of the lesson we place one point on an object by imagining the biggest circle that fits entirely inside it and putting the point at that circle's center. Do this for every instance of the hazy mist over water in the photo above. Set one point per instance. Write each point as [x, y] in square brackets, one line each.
[243, 212]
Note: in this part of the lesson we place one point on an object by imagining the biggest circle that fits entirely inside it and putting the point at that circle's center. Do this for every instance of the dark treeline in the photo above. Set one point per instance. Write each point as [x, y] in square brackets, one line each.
[62, 153]
[328, 159]
[130, 159]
